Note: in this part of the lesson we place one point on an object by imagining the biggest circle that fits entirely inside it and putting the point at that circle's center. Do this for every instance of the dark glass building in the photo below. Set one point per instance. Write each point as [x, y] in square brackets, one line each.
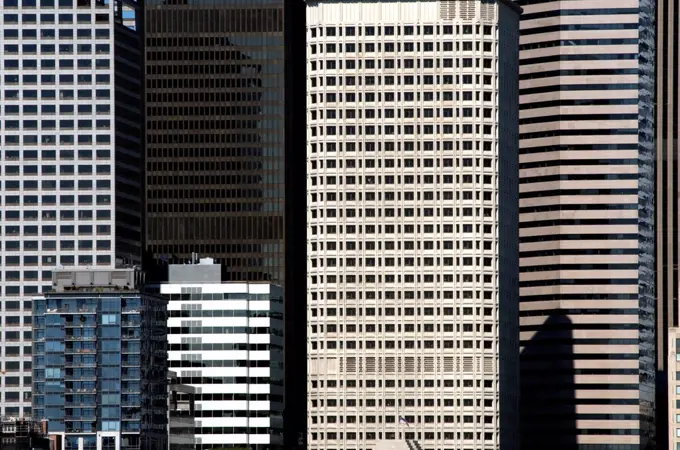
[225, 150]
[100, 362]
[218, 134]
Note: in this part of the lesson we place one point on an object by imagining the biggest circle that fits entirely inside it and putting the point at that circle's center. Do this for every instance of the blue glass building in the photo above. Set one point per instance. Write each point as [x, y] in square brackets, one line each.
[100, 362]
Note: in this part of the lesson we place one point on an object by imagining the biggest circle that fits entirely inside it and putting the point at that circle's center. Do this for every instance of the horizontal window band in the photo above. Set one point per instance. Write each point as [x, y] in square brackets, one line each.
[579, 177]
[576, 147]
[580, 12]
[579, 312]
[579, 162]
[579, 27]
[579, 57]
[555, 267]
[579, 87]
[577, 132]
[584, 297]
[579, 102]
[588, 192]
[581, 282]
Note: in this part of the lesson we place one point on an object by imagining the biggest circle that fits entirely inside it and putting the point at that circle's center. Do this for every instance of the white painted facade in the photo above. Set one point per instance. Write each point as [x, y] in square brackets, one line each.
[235, 330]
[411, 157]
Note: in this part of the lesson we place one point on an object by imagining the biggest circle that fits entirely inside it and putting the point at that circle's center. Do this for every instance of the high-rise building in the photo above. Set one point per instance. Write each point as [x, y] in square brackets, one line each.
[100, 361]
[667, 203]
[225, 149]
[221, 132]
[587, 236]
[412, 223]
[226, 340]
[71, 157]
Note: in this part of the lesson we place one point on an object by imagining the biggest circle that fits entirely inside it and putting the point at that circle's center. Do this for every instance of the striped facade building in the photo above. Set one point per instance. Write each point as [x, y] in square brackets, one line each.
[226, 341]
[587, 287]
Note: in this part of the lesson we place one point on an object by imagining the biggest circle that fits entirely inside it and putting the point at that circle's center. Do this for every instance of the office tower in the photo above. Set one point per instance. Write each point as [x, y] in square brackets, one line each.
[181, 414]
[587, 236]
[221, 132]
[71, 160]
[225, 136]
[667, 216]
[100, 361]
[226, 340]
[412, 192]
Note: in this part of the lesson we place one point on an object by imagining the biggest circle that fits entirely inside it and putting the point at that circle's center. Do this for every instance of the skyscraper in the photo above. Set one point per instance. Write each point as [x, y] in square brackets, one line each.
[587, 285]
[412, 193]
[219, 133]
[225, 139]
[668, 206]
[71, 157]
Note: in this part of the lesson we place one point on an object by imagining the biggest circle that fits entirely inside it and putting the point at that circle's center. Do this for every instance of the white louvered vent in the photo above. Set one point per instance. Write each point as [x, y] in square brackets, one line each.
[468, 9]
[468, 364]
[488, 10]
[447, 9]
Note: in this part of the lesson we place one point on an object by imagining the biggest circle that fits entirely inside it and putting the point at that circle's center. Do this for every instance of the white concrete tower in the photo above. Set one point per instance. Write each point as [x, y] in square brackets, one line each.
[412, 223]
[70, 159]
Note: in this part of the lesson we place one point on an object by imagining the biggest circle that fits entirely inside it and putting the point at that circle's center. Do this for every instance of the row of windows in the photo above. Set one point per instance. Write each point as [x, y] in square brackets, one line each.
[390, 113]
[400, 262]
[51, 94]
[408, 295]
[408, 63]
[51, 230]
[52, 184]
[405, 344]
[408, 146]
[63, 18]
[85, 124]
[408, 228]
[407, 311]
[407, 179]
[99, 169]
[63, 139]
[69, 109]
[408, 80]
[387, 47]
[64, 244]
[408, 245]
[406, 30]
[351, 163]
[349, 419]
[407, 402]
[49, 215]
[64, 49]
[396, 212]
[17, 381]
[48, 4]
[51, 33]
[409, 436]
[408, 278]
[397, 328]
[390, 403]
[51, 260]
[413, 128]
[51, 64]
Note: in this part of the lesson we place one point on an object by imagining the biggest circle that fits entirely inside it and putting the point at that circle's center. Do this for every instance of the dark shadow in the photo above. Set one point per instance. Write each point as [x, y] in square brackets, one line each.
[547, 401]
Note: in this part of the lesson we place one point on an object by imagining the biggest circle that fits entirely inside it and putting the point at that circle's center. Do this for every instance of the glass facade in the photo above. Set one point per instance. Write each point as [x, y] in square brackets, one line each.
[99, 368]
[216, 134]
